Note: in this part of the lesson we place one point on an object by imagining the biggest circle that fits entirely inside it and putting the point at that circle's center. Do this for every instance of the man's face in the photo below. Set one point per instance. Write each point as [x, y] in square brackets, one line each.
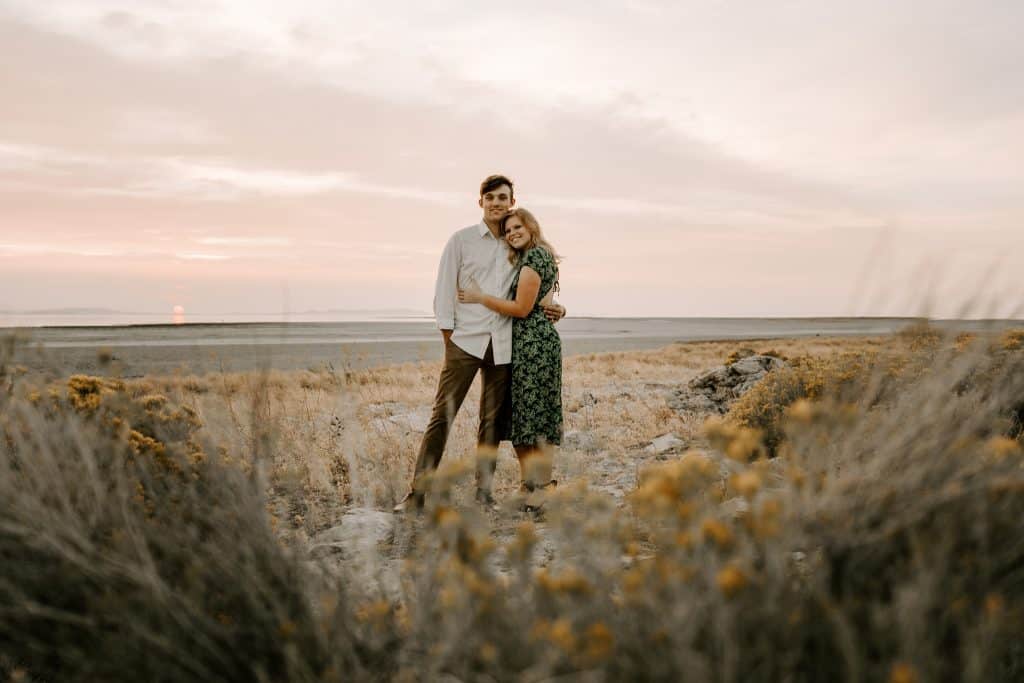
[497, 202]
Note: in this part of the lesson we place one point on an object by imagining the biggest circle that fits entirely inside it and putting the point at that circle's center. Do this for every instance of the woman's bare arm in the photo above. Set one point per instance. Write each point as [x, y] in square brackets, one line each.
[526, 296]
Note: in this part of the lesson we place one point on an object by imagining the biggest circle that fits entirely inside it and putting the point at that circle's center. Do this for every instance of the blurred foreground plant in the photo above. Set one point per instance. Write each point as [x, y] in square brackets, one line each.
[882, 543]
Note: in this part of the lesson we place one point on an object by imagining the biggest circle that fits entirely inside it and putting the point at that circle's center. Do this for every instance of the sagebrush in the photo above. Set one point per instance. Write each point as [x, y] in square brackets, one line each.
[882, 542]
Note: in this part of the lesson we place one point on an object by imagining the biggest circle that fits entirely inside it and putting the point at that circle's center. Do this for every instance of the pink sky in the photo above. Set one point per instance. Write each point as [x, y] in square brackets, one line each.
[688, 158]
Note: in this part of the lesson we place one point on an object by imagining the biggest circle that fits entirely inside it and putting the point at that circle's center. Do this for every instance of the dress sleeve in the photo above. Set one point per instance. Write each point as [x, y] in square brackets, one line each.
[539, 260]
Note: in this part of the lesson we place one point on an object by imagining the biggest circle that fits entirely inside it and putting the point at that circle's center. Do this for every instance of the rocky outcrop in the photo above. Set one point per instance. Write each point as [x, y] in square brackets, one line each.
[715, 390]
[360, 547]
[664, 444]
[358, 529]
[580, 440]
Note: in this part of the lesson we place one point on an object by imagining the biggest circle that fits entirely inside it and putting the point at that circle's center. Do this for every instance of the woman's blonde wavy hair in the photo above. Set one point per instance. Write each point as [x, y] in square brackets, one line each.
[537, 238]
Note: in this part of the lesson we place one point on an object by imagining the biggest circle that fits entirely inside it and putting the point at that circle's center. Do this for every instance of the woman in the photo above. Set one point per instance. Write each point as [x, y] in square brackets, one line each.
[536, 347]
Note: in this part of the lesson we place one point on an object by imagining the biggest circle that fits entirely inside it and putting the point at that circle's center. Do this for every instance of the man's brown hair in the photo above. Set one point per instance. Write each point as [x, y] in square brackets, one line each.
[493, 182]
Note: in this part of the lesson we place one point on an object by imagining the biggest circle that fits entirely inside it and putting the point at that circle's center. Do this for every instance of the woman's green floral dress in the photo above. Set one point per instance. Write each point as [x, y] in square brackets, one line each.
[536, 362]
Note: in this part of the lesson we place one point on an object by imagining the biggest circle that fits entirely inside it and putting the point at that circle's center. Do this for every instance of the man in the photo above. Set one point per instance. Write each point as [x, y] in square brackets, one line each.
[475, 340]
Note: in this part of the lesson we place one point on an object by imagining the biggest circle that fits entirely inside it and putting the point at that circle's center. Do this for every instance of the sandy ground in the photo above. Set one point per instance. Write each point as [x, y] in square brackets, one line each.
[617, 423]
[370, 424]
[344, 445]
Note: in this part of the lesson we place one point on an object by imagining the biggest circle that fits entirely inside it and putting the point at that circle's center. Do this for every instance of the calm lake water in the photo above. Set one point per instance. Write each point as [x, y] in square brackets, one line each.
[237, 346]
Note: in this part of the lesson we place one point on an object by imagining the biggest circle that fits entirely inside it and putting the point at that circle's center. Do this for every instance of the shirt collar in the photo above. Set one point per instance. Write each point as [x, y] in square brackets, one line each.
[484, 231]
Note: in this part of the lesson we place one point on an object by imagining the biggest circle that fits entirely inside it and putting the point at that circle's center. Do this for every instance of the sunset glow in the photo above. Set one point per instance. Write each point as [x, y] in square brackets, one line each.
[688, 159]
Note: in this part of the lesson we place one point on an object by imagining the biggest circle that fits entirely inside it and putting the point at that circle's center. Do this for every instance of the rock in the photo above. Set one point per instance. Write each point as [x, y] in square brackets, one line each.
[577, 440]
[715, 390]
[413, 422]
[711, 378]
[352, 550]
[358, 531]
[735, 507]
[383, 408]
[664, 443]
[748, 366]
[698, 403]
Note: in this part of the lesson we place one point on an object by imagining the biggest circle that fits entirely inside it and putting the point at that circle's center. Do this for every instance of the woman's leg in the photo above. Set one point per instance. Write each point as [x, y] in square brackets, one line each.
[535, 466]
[524, 453]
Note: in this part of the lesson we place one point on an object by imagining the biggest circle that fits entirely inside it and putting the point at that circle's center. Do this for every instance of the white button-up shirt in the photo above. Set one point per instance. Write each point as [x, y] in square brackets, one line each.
[474, 254]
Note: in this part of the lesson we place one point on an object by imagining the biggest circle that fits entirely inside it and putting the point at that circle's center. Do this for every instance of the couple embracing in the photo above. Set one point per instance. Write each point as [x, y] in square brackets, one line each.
[494, 307]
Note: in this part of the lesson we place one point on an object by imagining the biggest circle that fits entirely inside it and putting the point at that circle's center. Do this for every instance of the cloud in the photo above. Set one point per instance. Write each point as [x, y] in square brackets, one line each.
[755, 139]
[200, 179]
[817, 104]
[719, 210]
[245, 241]
[16, 156]
[196, 256]
[375, 251]
[35, 249]
[765, 81]
[162, 127]
[218, 180]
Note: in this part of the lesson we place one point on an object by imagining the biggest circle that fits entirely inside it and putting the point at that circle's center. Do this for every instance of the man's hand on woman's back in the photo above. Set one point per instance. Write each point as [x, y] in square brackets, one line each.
[554, 312]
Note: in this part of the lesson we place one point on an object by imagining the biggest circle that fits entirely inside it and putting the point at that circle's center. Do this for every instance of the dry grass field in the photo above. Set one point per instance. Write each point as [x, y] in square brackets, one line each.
[164, 528]
[352, 437]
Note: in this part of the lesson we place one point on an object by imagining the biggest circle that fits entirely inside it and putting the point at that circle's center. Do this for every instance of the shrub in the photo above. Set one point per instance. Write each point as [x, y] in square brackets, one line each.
[744, 351]
[1012, 340]
[882, 544]
[920, 336]
[126, 556]
[808, 377]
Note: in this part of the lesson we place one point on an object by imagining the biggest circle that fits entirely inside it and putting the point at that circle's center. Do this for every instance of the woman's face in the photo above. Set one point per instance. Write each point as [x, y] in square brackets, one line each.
[516, 233]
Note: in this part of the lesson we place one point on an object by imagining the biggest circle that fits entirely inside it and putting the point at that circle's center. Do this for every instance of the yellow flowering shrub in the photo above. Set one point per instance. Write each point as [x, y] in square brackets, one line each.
[764, 407]
[920, 336]
[1012, 340]
[878, 546]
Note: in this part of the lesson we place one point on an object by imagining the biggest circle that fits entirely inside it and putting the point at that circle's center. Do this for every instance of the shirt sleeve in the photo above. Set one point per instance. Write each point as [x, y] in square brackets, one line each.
[447, 281]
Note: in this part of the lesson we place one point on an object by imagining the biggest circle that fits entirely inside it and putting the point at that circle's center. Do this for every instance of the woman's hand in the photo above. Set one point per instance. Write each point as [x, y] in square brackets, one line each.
[471, 294]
